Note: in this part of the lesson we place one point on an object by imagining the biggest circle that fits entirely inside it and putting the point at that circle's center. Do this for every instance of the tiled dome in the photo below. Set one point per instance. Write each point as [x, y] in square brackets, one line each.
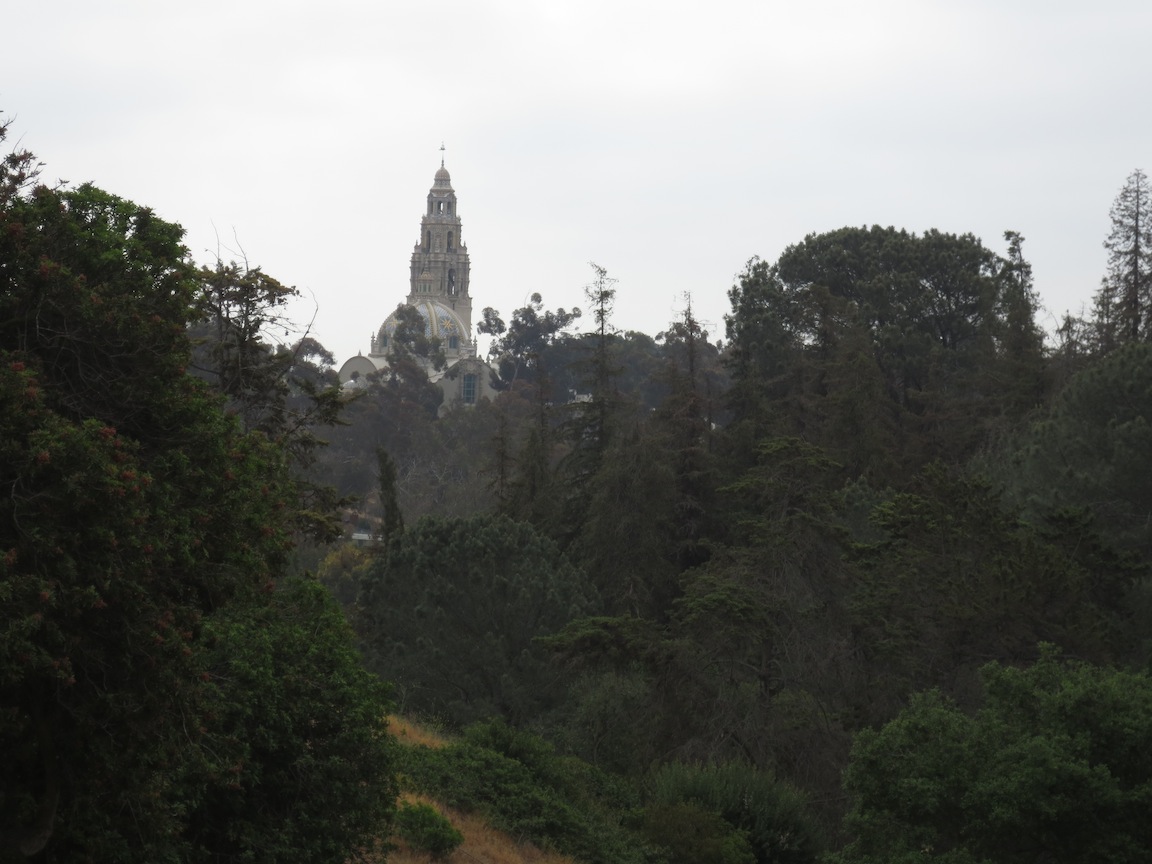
[439, 321]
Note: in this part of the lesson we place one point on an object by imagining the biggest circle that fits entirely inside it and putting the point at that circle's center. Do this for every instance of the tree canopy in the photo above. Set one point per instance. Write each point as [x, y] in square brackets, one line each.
[890, 349]
[1054, 765]
[143, 530]
[452, 610]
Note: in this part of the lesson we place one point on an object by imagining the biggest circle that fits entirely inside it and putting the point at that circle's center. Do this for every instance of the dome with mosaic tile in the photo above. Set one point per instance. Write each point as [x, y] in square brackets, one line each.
[440, 322]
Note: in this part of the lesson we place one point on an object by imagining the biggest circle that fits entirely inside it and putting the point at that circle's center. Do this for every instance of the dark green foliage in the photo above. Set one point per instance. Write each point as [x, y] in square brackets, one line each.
[519, 346]
[777, 582]
[236, 305]
[592, 419]
[609, 717]
[297, 759]
[765, 642]
[886, 348]
[1091, 450]
[423, 828]
[452, 612]
[523, 788]
[136, 509]
[689, 834]
[1021, 372]
[959, 580]
[141, 530]
[533, 495]
[410, 342]
[391, 519]
[602, 368]
[772, 815]
[753, 659]
[684, 423]
[286, 392]
[443, 465]
[624, 708]
[1053, 766]
[107, 329]
[624, 544]
[634, 508]
[383, 415]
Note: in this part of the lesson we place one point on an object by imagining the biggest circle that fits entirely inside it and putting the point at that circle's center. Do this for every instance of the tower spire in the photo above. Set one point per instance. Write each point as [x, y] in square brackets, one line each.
[441, 154]
[440, 259]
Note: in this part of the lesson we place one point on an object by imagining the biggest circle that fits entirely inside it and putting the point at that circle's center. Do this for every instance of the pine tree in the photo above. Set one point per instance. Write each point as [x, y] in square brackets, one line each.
[1123, 302]
[593, 418]
[601, 296]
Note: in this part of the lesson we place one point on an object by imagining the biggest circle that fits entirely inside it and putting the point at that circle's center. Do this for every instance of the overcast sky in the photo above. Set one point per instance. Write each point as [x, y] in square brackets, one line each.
[667, 141]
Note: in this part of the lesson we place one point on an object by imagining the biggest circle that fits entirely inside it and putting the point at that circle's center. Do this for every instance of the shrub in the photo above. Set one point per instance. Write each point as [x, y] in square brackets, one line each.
[773, 814]
[689, 834]
[517, 782]
[426, 829]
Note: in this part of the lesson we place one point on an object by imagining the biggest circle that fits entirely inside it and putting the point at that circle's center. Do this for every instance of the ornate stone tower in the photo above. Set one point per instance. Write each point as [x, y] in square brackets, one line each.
[438, 282]
[438, 290]
[440, 259]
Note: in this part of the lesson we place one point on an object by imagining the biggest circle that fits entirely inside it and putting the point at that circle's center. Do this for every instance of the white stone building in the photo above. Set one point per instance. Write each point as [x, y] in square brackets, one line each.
[439, 291]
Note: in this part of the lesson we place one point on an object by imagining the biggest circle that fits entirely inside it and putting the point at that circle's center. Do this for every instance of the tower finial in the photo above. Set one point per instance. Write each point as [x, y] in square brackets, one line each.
[441, 154]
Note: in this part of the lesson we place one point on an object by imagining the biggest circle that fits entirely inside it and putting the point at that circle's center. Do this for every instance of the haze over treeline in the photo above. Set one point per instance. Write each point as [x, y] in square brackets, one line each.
[867, 583]
[668, 147]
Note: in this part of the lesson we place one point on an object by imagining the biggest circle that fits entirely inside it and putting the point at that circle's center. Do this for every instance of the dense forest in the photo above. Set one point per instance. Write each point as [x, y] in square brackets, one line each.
[862, 579]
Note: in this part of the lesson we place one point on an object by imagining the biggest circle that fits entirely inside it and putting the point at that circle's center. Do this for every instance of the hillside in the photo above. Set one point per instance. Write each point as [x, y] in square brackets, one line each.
[482, 842]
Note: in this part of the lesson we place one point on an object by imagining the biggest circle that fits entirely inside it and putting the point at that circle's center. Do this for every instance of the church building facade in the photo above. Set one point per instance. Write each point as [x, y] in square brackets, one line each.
[438, 290]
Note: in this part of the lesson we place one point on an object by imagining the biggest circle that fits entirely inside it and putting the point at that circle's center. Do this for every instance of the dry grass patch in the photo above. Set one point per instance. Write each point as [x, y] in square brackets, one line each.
[482, 844]
[414, 734]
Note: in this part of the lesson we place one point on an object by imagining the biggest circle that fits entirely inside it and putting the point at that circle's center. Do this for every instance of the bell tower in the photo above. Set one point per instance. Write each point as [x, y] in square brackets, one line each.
[438, 290]
[440, 259]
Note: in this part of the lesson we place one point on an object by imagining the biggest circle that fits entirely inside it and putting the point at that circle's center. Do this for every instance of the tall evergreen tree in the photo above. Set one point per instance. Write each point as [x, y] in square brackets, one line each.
[391, 519]
[590, 418]
[590, 430]
[1020, 340]
[1124, 301]
[684, 418]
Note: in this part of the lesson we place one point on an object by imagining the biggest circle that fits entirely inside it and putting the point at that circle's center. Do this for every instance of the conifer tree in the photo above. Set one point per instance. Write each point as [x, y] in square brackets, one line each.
[392, 519]
[1020, 340]
[1125, 296]
[684, 418]
[589, 428]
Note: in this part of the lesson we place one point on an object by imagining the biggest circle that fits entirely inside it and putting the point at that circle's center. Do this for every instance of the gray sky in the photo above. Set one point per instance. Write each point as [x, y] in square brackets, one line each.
[667, 141]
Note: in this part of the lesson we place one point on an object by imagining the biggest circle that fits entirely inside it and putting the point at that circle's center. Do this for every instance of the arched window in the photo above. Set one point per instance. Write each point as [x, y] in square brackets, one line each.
[451, 279]
[468, 390]
[449, 241]
[441, 206]
[454, 343]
